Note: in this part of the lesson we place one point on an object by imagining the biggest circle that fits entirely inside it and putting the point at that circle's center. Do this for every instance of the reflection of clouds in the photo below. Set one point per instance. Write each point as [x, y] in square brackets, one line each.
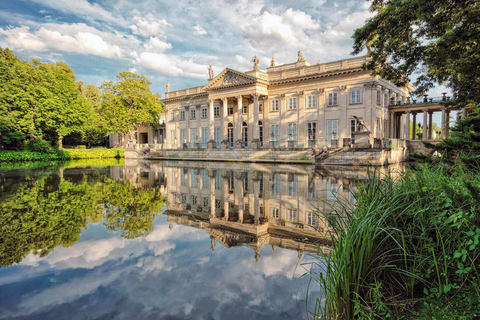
[168, 274]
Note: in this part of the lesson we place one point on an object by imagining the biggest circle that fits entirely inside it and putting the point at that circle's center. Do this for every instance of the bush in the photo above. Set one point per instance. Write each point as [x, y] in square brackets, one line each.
[60, 155]
[39, 145]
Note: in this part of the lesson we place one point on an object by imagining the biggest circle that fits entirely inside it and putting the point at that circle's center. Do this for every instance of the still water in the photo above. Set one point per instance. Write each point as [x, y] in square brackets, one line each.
[163, 240]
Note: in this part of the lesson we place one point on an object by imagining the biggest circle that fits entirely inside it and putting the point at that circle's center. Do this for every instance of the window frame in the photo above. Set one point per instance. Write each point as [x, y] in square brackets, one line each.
[312, 101]
[356, 98]
[182, 115]
[292, 103]
[216, 112]
[204, 113]
[274, 105]
[332, 100]
[193, 114]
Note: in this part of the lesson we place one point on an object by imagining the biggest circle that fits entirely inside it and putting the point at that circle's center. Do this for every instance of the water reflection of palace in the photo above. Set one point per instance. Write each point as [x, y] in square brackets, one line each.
[246, 204]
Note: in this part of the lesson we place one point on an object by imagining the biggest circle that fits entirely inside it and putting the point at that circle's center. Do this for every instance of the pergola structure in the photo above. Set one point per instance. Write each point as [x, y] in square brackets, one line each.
[427, 107]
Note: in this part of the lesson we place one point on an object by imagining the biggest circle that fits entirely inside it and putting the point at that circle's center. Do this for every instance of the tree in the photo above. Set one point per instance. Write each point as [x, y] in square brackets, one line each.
[129, 102]
[438, 40]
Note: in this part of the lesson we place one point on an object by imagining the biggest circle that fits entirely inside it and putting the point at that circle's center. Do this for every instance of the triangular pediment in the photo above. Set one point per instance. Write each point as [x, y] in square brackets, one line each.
[229, 78]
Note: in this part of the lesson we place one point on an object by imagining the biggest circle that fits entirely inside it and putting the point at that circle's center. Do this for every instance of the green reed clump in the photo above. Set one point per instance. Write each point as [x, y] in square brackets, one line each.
[403, 240]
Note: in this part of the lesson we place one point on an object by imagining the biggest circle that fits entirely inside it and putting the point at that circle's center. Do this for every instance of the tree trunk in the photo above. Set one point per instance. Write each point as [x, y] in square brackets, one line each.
[60, 143]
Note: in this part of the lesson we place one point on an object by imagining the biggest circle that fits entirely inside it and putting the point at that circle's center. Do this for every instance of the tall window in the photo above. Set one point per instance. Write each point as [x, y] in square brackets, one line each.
[292, 133]
[274, 135]
[230, 134]
[311, 188]
[292, 215]
[182, 115]
[193, 135]
[260, 107]
[379, 95]
[274, 105]
[216, 112]
[292, 103]
[312, 130]
[311, 219]
[292, 186]
[245, 109]
[274, 183]
[194, 200]
[172, 135]
[332, 189]
[205, 202]
[193, 114]
[204, 113]
[217, 179]
[182, 136]
[355, 96]
[193, 178]
[216, 136]
[230, 110]
[353, 126]
[333, 99]
[204, 137]
[275, 213]
[312, 102]
[332, 130]
[204, 179]
[172, 115]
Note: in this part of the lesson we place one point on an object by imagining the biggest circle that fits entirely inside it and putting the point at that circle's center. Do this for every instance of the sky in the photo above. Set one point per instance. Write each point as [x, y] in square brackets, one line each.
[175, 41]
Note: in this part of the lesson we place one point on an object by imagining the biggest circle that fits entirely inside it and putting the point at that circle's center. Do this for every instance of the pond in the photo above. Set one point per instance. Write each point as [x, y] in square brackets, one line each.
[164, 240]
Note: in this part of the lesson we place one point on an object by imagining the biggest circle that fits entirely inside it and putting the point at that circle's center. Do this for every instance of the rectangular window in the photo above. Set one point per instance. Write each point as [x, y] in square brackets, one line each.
[204, 137]
[193, 178]
[274, 104]
[216, 112]
[172, 115]
[218, 204]
[311, 188]
[205, 202]
[182, 115]
[332, 130]
[193, 135]
[245, 109]
[204, 113]
[332, 189]
[353, 126]
[172, 135]
[184, 178]
[312, 130]
[193, 114]
[292, 215]
[194, 200]
[312, 102]
[292, 186]
[184, 199]
[311, 219]
[230, 110]
[183, 137]
[217, 180]
[292, 133]
[204, 179]
[355, 96]
[274, 135]
[379, 95]
[274, 183]
[216, 136]
[260, 107]
[275, 213]
[292, 103]
[333, 99]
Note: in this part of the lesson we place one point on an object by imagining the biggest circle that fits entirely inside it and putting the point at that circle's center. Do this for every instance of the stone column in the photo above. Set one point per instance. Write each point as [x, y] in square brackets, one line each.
[225, 196]
[447, 124]
[210, 116]
[282, 130]
[425, 135]
[256, 133]
[392, 124]
[224, 118]
[407, 126]
[430, 122]
[187, 127]
[302, 139]
[414, 126]
[239, 191]
[256, 205]
[238, 122]
[442, 126]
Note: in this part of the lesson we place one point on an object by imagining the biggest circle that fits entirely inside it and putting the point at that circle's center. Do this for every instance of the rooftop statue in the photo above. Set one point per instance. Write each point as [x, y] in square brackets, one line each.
[300, 56]
[255, 63]
[168, 86]
[272, 63]
[210, 72]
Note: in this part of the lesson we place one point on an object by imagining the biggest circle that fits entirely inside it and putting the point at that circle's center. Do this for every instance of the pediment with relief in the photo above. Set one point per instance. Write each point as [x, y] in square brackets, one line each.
[229, 78]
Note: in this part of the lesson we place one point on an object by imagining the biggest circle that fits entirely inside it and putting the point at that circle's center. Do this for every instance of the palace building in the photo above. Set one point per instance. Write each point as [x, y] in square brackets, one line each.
[295, 105]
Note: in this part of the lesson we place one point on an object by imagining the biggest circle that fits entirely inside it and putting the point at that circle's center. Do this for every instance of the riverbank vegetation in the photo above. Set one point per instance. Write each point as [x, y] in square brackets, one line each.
[42, 105]
[96, 153]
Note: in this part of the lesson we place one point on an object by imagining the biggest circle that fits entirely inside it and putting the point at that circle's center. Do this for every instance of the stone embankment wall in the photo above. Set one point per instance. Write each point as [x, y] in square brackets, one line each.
[374, 157]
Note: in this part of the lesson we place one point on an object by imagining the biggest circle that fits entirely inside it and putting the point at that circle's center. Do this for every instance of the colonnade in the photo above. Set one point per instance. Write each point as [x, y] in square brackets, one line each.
[399, 118]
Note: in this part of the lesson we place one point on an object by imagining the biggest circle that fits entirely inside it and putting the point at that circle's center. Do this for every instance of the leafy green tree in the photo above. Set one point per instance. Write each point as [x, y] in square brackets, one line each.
[438, 40]
[129, 102]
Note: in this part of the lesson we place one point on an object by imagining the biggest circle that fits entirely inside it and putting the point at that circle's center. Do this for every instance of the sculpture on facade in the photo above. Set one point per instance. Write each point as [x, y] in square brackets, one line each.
[168, 86]
[318, 154]
[300, 56]
[272, 63]
[210, 72]
[360, 124]
[255, 63]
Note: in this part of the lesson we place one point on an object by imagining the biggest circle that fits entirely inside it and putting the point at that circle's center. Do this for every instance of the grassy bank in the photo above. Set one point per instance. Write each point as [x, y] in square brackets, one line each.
[22, 156]
[405, 242]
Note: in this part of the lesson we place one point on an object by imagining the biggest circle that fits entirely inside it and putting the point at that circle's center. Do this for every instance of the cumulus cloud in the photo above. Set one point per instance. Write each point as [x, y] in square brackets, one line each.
[149, 26]
[198, 30]
[22, 38]
[156, 45]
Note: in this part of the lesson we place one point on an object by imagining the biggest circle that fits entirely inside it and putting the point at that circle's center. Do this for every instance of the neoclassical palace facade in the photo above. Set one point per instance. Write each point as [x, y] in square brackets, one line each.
[295, 105]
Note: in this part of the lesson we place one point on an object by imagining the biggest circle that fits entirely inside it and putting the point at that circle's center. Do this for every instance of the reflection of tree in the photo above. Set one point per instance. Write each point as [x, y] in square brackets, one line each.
[40, 216]
[130, 209]
[43, 212]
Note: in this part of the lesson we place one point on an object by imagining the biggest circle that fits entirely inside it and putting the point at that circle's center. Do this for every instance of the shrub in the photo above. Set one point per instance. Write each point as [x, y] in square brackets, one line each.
[39, 145]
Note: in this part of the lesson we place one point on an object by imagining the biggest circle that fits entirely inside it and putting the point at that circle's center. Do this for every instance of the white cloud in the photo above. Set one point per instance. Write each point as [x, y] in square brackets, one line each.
[45, 39]
[156, 45]
[149, 26]
[171, 65]
[198, 30]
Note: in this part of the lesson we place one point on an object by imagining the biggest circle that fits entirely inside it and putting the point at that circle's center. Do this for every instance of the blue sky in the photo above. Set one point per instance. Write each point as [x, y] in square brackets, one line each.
[175, 41]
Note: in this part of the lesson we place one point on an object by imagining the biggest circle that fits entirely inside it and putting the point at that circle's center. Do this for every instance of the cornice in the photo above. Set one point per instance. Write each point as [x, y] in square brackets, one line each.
[315, 76]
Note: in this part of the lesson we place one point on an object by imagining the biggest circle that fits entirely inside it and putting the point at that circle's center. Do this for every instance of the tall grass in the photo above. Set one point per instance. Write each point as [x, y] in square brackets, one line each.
[404, 239]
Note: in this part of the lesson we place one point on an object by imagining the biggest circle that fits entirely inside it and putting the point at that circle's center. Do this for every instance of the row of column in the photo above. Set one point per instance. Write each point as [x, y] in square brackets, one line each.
[395, 124]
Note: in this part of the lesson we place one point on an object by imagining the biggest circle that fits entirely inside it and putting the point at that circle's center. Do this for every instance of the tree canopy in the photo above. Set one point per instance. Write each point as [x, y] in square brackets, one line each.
[129, 102]
[437, 40]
